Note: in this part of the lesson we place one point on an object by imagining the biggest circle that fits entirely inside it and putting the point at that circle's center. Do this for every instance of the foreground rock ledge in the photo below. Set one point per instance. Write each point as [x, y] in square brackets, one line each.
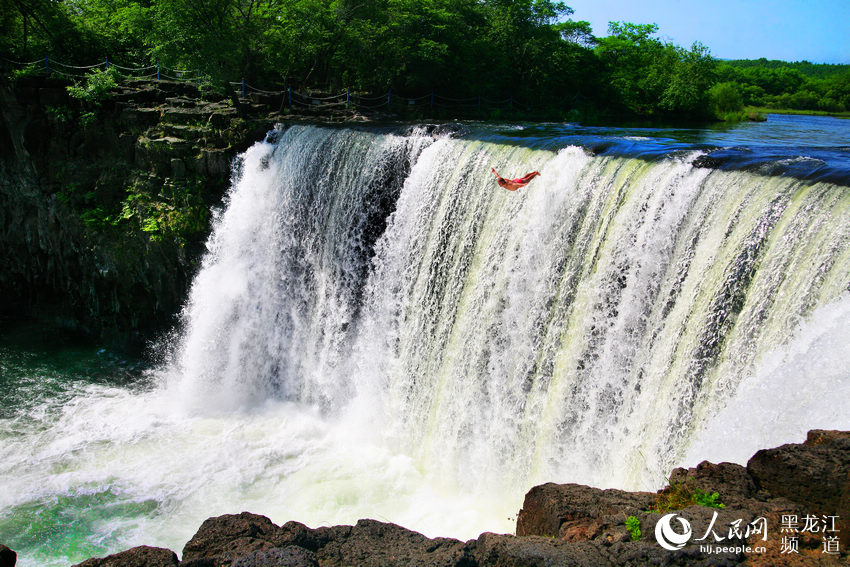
[569, 525]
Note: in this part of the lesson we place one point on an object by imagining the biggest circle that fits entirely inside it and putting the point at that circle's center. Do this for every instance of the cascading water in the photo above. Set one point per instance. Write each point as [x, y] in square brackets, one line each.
[378, 330]
[270, 313]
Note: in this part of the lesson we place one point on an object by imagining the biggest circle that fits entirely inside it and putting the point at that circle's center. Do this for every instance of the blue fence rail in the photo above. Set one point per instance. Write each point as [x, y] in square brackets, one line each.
[52, 67]
[431, 101]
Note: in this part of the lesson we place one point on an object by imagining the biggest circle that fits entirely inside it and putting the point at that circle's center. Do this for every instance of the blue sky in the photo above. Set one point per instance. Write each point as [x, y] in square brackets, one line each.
[789, 30]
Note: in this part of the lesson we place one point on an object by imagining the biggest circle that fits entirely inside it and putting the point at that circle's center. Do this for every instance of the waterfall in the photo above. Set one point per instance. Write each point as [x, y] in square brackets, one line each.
[582, 329]
[378, 330]
[270, 312]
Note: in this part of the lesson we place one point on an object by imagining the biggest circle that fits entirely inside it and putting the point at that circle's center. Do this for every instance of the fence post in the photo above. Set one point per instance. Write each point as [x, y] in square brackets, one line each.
[243, 87]
[47, 65]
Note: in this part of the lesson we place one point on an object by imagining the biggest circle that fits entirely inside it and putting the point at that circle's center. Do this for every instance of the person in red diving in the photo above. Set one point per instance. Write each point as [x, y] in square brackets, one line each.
[514, 184]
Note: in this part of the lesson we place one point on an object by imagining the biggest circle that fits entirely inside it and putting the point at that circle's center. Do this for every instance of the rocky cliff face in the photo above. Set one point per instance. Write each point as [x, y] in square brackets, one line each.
[788, 506]
[104, 207]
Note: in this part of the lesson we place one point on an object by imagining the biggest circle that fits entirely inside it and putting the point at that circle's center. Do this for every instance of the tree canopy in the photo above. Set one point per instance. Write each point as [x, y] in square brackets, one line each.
[530, 50]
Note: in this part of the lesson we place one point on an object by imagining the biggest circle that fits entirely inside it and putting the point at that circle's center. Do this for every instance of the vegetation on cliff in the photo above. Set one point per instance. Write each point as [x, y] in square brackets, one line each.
[530, 50]
[107, 191]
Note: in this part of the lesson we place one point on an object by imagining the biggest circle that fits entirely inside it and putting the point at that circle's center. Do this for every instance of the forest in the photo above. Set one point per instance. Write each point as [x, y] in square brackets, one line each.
[796, 86]
[530, 50]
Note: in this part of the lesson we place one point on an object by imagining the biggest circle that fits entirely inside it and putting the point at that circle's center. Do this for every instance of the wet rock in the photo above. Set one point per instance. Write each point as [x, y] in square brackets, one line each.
[155, 154]
[8, 558]
[292, 556]
[438, 130]
[143, 556]
[634, 554]
[296, 533]
[579, 512]
[62, 187]
[834, 438]
[231, 536]
[815, 475]
[707, 161]
[371, 543]
[142, 94]
[494, 550]
[213, 162]
[731, 481]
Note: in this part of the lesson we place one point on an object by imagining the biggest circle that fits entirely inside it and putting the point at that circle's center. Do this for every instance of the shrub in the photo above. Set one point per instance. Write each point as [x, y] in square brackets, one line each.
[726, 98]
[633, 525]
[96, 88]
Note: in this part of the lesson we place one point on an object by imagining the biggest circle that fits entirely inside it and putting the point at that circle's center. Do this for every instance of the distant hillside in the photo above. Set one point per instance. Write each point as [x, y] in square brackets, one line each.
[815, 70]
[800, 86]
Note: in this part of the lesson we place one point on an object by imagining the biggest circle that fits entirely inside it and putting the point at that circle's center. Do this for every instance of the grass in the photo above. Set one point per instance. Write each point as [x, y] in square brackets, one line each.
[761, 110]
[742, 116]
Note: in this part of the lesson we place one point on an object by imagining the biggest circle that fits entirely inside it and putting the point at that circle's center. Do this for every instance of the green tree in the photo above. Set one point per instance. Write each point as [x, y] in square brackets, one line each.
[691, 75]
[227, 38]
[726, 97]
[122, 27]
[652, 78]
[33, 29]
[628, 52]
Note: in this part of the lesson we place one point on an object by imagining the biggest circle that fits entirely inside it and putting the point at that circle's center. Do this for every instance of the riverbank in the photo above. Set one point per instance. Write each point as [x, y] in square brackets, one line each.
[767, 110]
[787, 506]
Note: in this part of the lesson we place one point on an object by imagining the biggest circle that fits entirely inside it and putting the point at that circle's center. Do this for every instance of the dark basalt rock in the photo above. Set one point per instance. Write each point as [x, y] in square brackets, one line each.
[497, 550]
[231, 536]
[143, 556]
[292, 556]
[371, 543]
[707, 161]
[582, 511]
[815, 475]
[732, 480]
[791, 481]
[8, 558]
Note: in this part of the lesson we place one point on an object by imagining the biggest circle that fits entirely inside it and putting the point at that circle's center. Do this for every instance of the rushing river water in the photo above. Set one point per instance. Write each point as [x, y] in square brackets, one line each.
[379, 331]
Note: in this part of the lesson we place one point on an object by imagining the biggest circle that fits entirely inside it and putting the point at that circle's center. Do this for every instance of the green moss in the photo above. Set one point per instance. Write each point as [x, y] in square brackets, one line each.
[633, 525]
[678, 495]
